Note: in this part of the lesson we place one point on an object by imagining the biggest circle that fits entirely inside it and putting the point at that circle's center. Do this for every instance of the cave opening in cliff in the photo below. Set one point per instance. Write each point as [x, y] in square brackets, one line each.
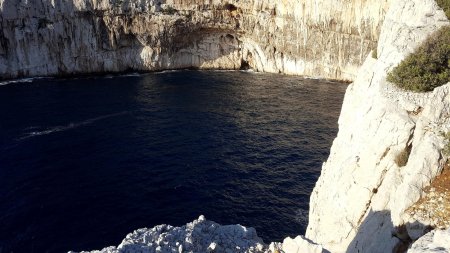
[244, 65]
[230, 7]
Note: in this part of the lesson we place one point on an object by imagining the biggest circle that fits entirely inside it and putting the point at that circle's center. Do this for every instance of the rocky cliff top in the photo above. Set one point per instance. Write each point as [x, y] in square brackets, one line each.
[200, 235]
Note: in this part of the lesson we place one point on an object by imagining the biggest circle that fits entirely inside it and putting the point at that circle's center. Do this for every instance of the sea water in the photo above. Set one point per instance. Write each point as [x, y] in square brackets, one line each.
[85, 161]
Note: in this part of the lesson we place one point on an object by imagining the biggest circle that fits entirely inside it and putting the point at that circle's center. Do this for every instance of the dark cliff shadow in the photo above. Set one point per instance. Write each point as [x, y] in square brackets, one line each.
[377, 234]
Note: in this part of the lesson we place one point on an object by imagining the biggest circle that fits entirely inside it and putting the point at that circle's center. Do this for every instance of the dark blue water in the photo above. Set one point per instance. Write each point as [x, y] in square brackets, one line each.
[85, 161]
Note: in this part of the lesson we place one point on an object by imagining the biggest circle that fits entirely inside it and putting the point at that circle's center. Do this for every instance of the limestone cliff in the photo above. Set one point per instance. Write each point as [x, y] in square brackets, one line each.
[317, 38]
[359, 201]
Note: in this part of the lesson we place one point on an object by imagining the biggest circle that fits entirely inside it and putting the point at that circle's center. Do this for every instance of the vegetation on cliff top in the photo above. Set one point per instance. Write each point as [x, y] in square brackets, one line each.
[428, 67]
[446, 150]
[445, 5]
[401, 159]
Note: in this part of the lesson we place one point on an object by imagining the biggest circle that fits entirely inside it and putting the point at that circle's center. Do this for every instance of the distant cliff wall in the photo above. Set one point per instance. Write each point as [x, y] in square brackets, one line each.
[325, 38]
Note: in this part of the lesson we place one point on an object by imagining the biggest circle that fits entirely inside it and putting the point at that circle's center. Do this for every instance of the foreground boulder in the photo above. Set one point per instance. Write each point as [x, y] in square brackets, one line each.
[437, 241]
[200, 235]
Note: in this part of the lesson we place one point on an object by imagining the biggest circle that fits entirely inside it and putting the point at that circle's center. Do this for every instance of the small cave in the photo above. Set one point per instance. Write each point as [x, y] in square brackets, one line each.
[404, 240]
[229, 37]
[43, 23]
[230, 7]
[244, 65]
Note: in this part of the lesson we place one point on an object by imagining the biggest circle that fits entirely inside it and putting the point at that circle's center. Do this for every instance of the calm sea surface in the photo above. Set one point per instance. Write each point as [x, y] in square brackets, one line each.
[85, 161]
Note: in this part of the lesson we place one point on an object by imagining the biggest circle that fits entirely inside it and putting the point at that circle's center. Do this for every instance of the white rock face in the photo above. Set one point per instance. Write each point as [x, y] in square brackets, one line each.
[206, 236]
[359, 200]
[198, 236]
[325, 38]
[300, 245]
[437, 241]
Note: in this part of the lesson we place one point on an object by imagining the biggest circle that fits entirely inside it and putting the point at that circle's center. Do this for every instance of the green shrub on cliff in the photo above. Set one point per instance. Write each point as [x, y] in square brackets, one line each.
[401, 159]
[445, 5]
[446, 150]
[375, 53]
[428, 67]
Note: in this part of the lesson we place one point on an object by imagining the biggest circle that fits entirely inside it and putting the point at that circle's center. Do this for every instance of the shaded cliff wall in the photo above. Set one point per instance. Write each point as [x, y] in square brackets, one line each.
[326, 38]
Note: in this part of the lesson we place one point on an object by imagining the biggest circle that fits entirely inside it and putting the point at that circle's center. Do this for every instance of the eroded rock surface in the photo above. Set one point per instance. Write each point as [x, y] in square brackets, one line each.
[436, 241]
[318, 38]
[433, 208]
[200, 235]
[359, 201]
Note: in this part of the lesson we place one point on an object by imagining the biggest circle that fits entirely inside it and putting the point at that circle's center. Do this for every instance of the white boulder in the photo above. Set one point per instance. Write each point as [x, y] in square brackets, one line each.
[437, 241]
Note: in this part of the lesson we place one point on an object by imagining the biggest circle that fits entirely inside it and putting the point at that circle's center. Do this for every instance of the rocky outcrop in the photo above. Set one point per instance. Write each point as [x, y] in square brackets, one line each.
[437, 241]
[200, 235]
[298, 244]
[433, 207]
[359, 201]
[317, 38]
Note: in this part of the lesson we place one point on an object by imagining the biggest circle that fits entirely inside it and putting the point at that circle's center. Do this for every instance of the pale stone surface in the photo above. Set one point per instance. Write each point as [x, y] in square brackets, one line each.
[362, 194]
[437, 241]
[200, 235]
[206, 236]
[300, 245]
[433, 207]
[327, 38]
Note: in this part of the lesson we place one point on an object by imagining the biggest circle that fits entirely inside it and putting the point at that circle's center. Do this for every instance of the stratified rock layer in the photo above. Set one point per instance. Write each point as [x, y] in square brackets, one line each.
[325, 38]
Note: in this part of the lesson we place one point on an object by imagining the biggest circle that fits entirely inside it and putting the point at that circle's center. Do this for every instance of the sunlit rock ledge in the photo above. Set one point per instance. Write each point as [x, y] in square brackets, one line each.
[206, 236]
[202, 235]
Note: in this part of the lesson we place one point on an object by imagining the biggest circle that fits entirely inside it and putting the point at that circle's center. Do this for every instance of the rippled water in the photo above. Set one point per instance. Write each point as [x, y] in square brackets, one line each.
[85, 161]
